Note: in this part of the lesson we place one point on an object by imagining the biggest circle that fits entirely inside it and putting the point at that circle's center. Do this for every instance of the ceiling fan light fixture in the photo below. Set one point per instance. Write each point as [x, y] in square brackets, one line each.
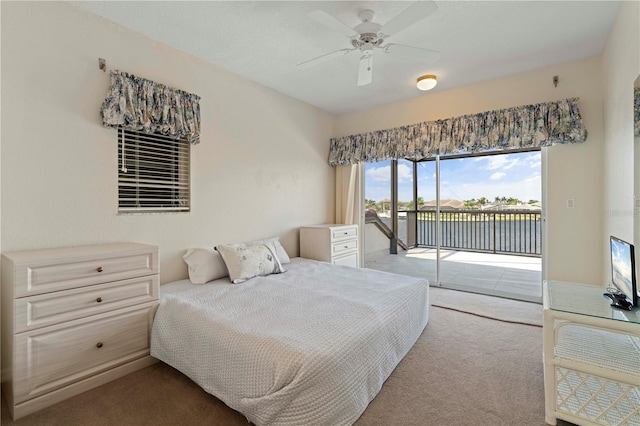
[427, 82]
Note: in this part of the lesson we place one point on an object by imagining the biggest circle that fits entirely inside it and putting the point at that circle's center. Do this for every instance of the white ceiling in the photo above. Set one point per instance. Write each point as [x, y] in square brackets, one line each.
[264, 40]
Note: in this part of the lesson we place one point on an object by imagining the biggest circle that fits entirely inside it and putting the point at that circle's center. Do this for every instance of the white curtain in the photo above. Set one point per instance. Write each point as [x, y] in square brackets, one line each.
[349, 198]
[348, 194]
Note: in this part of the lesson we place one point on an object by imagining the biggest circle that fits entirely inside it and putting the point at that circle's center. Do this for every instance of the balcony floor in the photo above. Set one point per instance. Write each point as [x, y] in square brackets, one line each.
[516, 277]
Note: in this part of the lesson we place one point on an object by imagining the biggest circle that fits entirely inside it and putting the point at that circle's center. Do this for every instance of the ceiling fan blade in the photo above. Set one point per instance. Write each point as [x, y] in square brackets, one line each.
[332, 23]
[413, 53]
[365, 70]
[327, 57]
[414, 13]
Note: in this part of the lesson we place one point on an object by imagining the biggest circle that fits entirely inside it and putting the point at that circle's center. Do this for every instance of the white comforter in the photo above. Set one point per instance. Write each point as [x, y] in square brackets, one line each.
[311, 346]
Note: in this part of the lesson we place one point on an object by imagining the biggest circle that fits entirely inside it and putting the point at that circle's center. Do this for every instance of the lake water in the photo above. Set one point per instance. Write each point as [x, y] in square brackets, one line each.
[512, 236]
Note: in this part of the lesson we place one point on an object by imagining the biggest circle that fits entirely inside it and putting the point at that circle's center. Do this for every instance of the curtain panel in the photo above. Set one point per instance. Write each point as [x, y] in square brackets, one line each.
[528, 126]
[636, 111]
[144, 105]
[349, 194]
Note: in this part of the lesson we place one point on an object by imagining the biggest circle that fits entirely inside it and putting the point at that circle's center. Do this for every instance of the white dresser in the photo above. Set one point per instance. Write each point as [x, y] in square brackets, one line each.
[74, 318]
[332, 243]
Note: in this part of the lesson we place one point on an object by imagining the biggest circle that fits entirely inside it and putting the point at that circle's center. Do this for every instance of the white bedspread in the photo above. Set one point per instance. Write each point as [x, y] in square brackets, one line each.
[311, 346]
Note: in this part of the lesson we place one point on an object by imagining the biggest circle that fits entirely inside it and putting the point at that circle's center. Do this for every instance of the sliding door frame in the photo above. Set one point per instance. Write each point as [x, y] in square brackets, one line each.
[437, 158]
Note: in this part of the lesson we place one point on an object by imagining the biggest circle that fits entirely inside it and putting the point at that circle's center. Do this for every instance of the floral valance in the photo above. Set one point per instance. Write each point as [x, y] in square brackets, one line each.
[144, 105]
[526, 126]
[636, 111]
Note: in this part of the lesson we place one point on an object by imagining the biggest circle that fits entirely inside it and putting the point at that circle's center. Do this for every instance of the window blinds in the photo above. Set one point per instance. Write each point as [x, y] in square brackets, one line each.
[153, 173]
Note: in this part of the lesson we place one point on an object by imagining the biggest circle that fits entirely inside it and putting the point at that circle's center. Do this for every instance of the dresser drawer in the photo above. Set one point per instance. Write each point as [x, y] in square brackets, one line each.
[344, 247]
[51, 273]
[347, 260]
[65, 353]
[45, 309]
[344, 232]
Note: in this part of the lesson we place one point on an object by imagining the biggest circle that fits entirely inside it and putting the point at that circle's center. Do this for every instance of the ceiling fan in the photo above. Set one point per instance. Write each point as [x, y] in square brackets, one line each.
[368, 36]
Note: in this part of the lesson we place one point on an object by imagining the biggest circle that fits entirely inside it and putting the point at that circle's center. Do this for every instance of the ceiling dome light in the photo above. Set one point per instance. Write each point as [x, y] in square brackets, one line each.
[427, 82]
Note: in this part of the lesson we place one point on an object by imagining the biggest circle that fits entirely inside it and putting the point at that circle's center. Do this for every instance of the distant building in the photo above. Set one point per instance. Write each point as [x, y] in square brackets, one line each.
[502, 207]
[444, 203]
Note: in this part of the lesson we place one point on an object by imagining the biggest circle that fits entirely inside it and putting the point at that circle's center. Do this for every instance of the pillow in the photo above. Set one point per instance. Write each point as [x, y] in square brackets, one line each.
[283, 257]
[205, 264]
[246, 261]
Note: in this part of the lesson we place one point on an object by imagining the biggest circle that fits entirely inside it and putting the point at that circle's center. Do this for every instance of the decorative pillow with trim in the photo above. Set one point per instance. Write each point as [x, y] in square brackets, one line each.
[283, 257]
[246, 261]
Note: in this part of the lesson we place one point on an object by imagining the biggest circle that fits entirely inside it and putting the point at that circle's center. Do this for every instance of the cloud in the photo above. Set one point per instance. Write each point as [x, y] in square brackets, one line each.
[516, 175]
[494, 162]
[533, 178]
[525, 189]
[405, 174]
[383, 174]
[380, 174]
[533, 162]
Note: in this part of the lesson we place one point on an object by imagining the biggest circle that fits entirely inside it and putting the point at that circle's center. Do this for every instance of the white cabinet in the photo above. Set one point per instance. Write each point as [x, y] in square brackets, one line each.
[336, 244]
[74, 318]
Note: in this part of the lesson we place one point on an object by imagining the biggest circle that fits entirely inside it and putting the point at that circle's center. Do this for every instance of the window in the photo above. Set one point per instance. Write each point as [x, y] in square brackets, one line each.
[153, 173]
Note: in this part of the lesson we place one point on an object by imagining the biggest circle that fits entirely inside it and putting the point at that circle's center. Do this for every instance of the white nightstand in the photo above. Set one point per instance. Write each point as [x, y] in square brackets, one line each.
[332, 243]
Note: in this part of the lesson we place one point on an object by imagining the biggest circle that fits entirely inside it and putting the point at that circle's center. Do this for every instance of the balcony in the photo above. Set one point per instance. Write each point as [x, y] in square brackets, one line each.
[493, 252]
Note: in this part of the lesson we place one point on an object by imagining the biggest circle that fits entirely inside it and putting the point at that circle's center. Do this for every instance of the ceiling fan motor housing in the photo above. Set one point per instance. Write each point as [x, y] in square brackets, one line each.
[368, 32]
[367, 41]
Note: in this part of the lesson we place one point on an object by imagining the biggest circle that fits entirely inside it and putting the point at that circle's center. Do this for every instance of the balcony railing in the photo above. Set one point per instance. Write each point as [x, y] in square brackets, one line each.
[498, 231]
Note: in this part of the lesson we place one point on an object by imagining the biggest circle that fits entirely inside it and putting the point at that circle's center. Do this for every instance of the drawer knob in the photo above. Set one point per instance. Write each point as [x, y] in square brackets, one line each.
[346, 233]
[99, 269]
[99, 345]
[99, 299]
[346, 246]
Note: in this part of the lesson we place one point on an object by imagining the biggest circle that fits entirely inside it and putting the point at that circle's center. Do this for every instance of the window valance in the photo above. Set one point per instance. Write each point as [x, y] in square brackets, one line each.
[144, 105]
[636, 111]
[526, 126]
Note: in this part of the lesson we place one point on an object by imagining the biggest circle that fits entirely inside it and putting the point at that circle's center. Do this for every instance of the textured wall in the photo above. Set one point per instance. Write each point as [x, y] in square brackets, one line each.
[621, 66]
[260, 169]
[574, 247]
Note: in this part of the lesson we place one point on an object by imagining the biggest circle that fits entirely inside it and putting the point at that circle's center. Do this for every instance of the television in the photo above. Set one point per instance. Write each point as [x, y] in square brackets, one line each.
[623, 275]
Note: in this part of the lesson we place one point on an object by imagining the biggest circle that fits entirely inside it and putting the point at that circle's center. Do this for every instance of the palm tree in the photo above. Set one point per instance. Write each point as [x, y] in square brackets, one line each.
[410, 204]
[513, 201]
[470, 203]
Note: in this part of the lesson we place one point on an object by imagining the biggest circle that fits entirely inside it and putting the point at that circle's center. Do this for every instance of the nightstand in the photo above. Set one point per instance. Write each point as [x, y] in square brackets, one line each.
[337, 244]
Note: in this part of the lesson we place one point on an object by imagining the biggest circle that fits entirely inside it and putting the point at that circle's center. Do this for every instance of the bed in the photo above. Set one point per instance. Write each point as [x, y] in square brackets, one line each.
[311, 346]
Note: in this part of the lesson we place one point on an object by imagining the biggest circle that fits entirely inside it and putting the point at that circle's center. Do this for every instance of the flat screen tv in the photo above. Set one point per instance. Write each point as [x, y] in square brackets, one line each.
[623, 274]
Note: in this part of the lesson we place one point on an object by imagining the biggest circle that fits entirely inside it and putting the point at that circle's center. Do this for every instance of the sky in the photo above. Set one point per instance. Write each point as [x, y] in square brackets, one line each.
[621, 266]
[505, 175]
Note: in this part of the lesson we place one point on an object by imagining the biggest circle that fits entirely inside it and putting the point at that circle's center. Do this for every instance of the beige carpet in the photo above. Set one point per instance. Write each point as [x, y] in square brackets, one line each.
[465, 369]
[491, 307]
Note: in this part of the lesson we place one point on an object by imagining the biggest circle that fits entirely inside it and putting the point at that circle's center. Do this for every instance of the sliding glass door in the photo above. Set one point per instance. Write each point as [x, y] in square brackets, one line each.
[377, 233]
[490, 224]
[469, 222]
